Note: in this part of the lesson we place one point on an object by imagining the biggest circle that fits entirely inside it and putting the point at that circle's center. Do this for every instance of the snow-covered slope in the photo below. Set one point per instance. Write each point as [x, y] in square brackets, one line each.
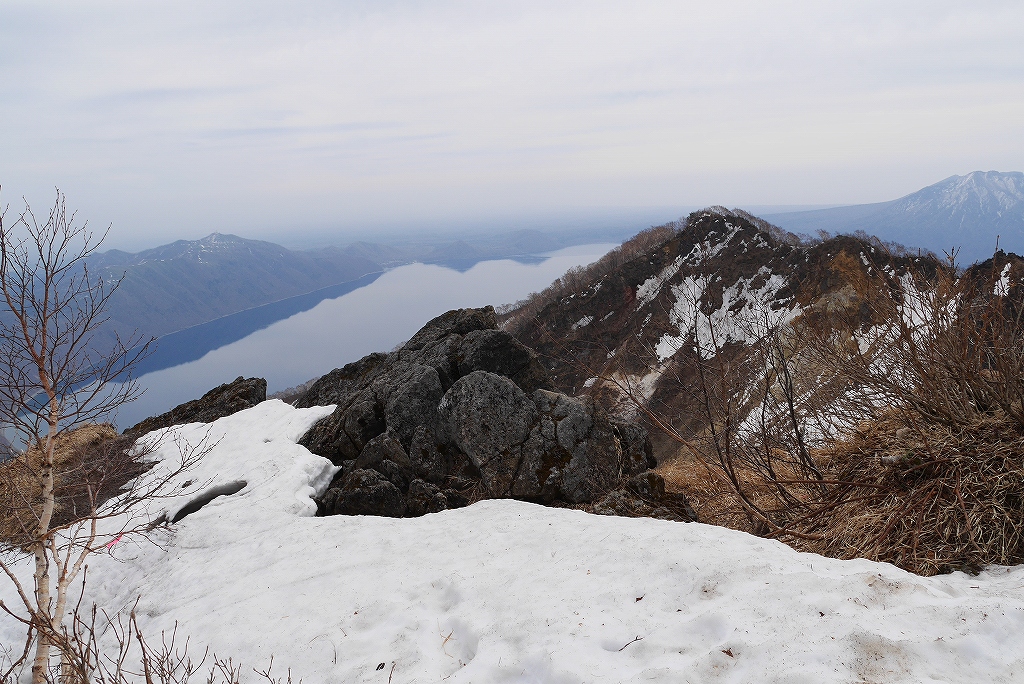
[505, 591]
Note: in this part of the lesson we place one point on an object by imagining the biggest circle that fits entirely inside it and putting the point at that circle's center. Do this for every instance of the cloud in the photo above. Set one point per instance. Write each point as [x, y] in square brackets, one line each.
[169, 117]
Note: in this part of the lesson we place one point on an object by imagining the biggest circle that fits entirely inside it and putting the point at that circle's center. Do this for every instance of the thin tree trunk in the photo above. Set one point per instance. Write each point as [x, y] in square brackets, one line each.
[44, 618]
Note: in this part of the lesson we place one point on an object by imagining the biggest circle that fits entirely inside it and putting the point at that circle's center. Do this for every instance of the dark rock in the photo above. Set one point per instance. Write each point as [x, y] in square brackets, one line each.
[495, 351]
[455, 322]
[410, 394]
[572, 452]
[649, 486]
[677, 501]
[461, 411]
[637, 452]
[427, 460]
[488, 417]
[343, 434]
[424, 498]
[338, 386]
[385, 454]
[440, 355]
[625, 503]
[364, 492]
[219, 402]
[644, 496]
[396, 474]
[455, 498]
[346, 468]
[397, 391]
[383, 447]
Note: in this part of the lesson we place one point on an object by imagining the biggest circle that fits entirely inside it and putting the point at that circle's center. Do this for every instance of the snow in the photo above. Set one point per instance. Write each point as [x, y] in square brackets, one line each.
[583, 322]
[506, 591]
[744, 316]
[649, 289]
[1002, 288]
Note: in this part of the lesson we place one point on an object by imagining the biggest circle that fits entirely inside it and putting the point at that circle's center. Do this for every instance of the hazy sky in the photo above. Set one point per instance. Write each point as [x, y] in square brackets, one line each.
[175, 119]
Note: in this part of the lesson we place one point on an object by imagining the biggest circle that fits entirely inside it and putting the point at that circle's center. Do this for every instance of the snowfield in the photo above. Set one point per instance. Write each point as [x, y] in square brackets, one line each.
[505, 591]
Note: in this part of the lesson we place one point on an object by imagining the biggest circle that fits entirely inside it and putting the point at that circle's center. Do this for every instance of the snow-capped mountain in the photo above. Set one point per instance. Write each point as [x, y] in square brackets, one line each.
[968, 212]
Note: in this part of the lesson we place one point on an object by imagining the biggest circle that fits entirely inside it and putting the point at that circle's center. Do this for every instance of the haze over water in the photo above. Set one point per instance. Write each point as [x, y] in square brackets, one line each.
[376, 317]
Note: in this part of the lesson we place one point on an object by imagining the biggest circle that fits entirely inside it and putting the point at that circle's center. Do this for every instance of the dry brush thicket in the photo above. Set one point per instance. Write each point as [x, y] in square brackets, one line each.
[886, 421]
[581, 277]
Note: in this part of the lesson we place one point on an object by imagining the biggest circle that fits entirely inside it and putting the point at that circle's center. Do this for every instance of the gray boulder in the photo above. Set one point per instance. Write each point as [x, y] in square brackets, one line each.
[572, 453]
[342, 383]
[637, 453]
[381, 448]
[489, 418]
[400, 391]
[496, 351]
[409, 393]
[427, 460]
[548, 446]
[459, 412]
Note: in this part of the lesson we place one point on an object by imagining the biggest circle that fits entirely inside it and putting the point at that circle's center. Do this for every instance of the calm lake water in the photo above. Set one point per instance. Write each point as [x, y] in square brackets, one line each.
[377, 315]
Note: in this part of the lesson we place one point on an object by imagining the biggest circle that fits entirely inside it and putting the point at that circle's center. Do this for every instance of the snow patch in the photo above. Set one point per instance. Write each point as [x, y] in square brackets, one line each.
[1002, 287]
[650, 288]
[583, 322]
[508, 591]
[745, 315]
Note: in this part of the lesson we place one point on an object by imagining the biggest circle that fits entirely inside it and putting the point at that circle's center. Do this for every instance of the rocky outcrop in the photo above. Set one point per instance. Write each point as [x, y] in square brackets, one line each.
[221, 401]
[460, 412]
[644, 496]
[547, 446]
[401, 391]
[364, 492]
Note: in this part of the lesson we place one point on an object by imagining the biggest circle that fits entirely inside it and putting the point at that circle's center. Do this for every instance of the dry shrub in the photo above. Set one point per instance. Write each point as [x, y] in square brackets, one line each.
[91, 463]
[927, 497]
[580, 278]
[912, 385]
[707, 490]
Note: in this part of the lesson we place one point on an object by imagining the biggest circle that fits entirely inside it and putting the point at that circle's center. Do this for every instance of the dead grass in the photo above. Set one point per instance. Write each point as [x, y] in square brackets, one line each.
[925, 497]
[91, 463]
[713, 496]
[929, 498]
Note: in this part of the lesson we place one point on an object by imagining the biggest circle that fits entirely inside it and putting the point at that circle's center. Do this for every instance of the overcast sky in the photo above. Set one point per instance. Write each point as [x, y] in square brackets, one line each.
[176, 119]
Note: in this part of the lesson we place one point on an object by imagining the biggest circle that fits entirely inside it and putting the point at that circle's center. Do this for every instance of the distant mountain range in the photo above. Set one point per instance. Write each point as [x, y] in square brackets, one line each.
[968, 212]
[190, 282]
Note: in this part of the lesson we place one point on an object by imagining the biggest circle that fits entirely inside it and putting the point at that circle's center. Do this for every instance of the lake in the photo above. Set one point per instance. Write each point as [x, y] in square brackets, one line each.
[376, 313]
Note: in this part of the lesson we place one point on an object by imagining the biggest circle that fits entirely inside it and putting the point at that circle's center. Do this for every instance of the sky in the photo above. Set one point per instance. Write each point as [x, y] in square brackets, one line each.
[172, 120]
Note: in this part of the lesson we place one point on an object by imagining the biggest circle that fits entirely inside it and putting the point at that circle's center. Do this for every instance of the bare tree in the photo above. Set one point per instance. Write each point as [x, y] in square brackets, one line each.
[53, 380]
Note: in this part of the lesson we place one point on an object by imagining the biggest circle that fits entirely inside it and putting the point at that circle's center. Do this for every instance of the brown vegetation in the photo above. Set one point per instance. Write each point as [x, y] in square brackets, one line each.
[886, 421]
[90, 464]
[912, 390]
[581, 277]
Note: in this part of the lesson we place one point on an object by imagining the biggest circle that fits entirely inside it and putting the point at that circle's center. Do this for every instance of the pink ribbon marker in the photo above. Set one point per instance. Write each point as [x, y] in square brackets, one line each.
[111, 544]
